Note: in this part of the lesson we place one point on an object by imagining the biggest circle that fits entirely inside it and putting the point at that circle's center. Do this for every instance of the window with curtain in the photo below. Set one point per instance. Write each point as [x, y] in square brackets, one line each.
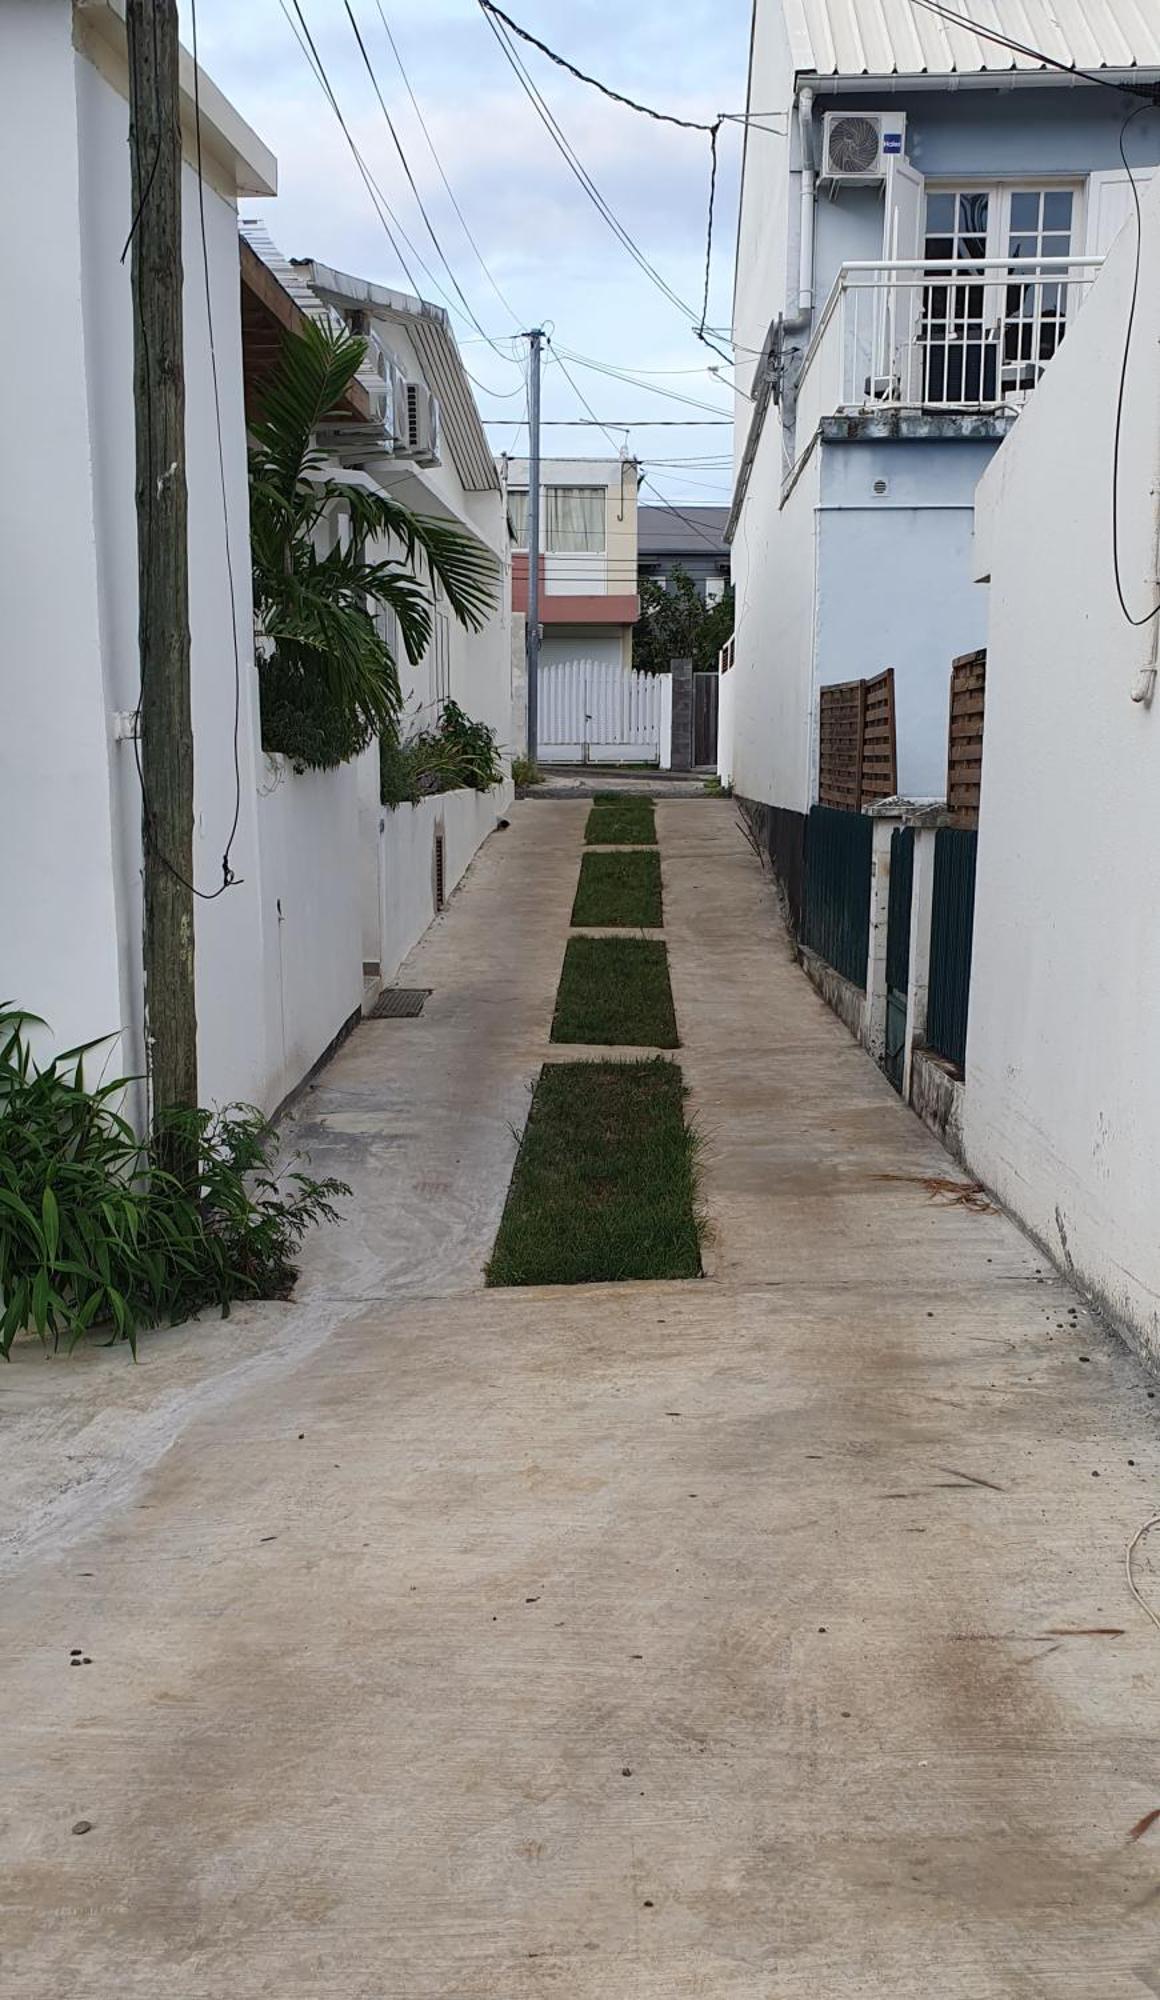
[517, 506]
[574, 520]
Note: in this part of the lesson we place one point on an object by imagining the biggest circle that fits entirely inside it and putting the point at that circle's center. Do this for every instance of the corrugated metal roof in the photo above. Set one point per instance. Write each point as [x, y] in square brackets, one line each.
[898, 38]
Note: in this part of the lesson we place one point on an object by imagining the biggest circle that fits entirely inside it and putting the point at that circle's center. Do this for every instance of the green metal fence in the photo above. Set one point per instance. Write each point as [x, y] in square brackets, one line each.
[836, 902]
[951, 924]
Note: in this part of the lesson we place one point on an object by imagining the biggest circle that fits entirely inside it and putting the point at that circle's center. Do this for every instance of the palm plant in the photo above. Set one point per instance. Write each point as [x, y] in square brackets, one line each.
[330, 679]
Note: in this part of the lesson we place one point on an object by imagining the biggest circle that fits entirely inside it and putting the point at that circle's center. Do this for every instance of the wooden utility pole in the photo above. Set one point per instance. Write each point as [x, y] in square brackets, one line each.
[165, 725]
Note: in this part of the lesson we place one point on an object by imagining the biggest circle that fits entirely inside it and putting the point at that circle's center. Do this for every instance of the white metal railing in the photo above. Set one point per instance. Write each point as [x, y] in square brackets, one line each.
[941, 335]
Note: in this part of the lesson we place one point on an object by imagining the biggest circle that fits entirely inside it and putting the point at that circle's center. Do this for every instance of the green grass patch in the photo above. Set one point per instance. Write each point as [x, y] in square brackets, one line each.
[605, 1182]
[619, 890]
[617, 991]
[621, 823]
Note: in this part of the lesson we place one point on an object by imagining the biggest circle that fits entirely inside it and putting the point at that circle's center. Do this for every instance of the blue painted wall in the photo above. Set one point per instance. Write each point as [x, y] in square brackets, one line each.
[894, 584]
[1003, 134]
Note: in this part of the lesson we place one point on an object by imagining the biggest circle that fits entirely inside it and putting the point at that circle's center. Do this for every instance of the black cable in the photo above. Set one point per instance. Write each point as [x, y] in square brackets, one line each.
[714, 541]
[581, 173]
[378, 199]
[713, 131]
[1155, 611]
[419, 202]
[1002, 41]
[636, 381]
[148, 819]
[505, 303]
[228, 876]
[662, 117]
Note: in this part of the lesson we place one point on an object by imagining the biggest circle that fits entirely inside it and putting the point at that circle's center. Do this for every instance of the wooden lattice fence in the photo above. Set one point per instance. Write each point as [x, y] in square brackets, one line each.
[857, 752]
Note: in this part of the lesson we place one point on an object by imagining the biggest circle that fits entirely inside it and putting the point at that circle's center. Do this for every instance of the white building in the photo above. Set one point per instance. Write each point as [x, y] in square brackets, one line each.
[921, 216]
[424, 444]
[1061, 1104]
[279, 956]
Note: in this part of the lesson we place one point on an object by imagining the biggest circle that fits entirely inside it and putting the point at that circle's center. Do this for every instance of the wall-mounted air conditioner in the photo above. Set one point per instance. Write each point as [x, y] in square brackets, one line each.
[420, 439]
[857, 146]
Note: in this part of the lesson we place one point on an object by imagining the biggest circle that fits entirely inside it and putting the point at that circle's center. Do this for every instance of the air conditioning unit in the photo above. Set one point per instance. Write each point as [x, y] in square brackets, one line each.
[857, 146]
[420, 439]
[382, 377]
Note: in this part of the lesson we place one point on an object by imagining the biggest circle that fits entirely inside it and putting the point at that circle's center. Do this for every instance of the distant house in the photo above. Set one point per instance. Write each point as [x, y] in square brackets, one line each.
[688, 538]
[919, 228]
[588, 556]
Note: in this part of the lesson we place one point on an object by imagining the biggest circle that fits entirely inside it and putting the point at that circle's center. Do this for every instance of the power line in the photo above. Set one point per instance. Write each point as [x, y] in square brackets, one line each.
[957, 20]
[662, 117]
[379, 202]
[419, 202]
[636, 381]
[618, 423]
[1128, 331]
[569, 154]
[505, 303]
[697, 527]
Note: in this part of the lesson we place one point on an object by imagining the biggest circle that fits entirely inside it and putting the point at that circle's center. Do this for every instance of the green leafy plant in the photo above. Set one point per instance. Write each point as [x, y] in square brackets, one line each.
[329, 680]
[675, 623]
[96, 1234]
[525, 773]
[459, 753]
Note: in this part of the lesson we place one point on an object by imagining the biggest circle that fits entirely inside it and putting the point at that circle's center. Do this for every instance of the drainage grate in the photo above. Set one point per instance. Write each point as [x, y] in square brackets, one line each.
[399, 1003]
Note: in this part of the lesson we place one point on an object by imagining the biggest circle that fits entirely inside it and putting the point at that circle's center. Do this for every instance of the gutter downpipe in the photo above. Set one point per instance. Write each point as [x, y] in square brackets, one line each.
[805, 299]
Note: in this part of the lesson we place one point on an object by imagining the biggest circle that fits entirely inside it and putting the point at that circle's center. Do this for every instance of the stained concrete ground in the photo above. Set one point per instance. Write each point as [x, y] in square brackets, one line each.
[764, 1637]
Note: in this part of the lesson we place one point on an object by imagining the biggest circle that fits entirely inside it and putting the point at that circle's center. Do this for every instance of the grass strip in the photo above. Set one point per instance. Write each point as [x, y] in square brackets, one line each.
[619, 889]
[622, 823]
[605, 1182]
[617, 991]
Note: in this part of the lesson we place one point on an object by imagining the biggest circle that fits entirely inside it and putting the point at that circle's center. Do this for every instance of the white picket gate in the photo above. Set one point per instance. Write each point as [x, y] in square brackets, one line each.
[598, 712]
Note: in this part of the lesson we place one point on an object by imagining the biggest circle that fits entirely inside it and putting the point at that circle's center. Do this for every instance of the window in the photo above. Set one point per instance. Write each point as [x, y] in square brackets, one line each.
[714, 589]
[985, 337]
[573, 519]
[517, 506]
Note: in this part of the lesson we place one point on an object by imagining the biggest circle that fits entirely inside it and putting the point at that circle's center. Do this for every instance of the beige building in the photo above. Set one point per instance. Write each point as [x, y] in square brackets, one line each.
[588, 556]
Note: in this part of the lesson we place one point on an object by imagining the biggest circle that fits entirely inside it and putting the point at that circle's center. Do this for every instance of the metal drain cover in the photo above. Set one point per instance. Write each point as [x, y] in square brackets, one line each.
[399, 1003]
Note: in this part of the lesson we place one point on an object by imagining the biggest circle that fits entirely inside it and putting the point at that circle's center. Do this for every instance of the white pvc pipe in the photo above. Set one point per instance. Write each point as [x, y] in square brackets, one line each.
[805, 302]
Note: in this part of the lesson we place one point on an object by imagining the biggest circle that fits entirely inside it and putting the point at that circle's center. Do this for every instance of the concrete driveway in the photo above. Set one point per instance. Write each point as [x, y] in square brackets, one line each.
[759, 1638]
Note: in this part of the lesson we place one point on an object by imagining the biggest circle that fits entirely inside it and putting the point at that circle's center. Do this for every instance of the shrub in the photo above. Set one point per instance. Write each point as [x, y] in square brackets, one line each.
[525, 773]
[458, 753]
[95, 1233]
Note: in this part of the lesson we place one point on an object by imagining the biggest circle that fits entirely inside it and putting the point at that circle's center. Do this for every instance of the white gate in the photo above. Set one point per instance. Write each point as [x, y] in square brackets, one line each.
[598, 712]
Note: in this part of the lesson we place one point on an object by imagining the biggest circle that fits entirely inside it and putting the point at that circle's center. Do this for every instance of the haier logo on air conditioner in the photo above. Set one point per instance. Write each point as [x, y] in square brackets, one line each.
[856, 146]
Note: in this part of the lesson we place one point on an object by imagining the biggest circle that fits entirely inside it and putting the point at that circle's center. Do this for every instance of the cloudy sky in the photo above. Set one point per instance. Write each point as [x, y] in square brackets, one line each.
[546, 248]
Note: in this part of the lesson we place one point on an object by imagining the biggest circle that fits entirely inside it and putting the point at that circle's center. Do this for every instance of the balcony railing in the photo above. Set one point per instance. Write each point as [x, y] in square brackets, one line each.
[939, 336]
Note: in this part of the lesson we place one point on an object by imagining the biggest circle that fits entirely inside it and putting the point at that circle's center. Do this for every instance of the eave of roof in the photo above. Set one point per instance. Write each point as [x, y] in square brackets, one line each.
[227, 141]
[429, 329]
[896, 38]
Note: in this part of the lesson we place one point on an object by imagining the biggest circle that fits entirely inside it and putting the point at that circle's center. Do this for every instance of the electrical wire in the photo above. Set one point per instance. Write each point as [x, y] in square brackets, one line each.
[616, 423]
[379, 202]
[483, 265]
[582, 398]
[419, 202]
[572, 159]
[637, 381]
[148, 817]
[1148, 616]
[662, 117]
[696, 526]
[986, 34]
[713, 132]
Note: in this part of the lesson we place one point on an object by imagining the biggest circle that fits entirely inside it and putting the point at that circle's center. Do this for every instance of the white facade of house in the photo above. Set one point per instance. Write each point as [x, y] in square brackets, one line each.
[874, 400]
[411, 854]
[70, 920]
[1061, 1106]
[279, 956]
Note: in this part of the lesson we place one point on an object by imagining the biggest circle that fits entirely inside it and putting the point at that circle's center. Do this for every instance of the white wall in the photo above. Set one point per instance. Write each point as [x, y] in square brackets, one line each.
[407, 862]
[58, 920]
[774, 562]
[1062, 1103]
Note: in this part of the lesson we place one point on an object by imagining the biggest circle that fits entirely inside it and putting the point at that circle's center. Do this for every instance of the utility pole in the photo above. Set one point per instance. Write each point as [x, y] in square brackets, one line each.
[164, 722]
[536, 338]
